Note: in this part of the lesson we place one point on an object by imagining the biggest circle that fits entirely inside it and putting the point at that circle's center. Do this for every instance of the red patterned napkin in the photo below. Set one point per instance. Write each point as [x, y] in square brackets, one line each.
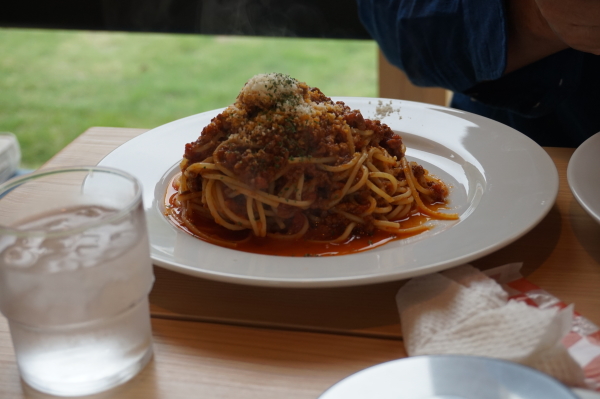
[583, 342]
[499, 314]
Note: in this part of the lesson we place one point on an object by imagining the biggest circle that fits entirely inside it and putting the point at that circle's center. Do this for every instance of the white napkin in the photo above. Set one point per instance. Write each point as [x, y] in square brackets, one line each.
[10, 155]
[462, 311]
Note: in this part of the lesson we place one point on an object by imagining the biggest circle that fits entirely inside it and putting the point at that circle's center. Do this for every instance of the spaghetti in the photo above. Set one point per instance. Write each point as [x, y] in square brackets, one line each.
[286, 162]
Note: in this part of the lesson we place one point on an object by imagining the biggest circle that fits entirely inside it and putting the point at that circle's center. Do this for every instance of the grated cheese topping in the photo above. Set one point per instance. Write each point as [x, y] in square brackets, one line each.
[275, 90]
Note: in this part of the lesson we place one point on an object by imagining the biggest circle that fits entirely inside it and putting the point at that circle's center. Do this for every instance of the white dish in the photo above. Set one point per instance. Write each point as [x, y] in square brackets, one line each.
[586, 394]
[502, 185]
[448, 377]
[583, 175]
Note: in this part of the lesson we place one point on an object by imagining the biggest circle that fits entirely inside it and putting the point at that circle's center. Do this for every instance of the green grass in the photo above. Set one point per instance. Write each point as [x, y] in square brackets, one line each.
[56, 84]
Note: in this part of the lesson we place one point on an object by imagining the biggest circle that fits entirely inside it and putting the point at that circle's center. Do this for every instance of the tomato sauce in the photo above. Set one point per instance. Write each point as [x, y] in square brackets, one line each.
[247, 242]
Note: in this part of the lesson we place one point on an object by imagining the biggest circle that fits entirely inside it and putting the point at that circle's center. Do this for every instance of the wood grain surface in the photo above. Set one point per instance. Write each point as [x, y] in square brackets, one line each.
[207, 360]
[215, 339]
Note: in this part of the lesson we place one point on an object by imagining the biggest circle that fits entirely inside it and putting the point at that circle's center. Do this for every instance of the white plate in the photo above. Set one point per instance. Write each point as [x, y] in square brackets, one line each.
[583, 175]
[586, 394]
[448, 377]
[502, 185]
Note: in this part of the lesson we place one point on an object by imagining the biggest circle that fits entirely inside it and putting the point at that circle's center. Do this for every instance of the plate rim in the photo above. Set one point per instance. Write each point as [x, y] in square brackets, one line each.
[335, 281]
[471, 359]
[575, 163]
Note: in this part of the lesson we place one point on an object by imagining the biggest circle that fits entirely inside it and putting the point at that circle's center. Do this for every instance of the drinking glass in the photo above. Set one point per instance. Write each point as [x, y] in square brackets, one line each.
[75, 273]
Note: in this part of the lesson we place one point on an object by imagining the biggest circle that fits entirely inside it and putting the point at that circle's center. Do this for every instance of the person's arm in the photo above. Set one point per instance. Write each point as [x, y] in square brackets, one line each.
[539, 28]
[458, 44]
[530, 37]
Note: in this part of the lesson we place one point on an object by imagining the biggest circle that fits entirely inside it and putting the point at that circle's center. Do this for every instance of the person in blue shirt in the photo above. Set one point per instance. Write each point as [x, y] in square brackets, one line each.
[530, 64]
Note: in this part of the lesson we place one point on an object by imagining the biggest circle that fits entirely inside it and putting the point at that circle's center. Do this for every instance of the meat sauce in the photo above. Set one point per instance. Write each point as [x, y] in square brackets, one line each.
[247, 242]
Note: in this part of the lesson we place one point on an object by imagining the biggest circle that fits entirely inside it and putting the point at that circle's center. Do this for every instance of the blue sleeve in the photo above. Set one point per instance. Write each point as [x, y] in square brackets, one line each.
[447, 43]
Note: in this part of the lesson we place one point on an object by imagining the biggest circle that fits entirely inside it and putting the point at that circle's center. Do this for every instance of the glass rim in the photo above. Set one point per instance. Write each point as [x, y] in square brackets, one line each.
[14, 183]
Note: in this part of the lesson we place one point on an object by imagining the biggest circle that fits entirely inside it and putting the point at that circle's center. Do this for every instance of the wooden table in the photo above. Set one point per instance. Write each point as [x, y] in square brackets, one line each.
[219, 340]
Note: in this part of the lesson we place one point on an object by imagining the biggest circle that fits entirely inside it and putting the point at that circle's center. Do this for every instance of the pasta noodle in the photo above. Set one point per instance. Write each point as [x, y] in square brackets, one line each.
[286, 162]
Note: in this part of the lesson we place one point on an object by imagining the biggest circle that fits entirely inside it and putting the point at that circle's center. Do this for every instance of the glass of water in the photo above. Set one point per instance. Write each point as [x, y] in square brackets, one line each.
[75, 273]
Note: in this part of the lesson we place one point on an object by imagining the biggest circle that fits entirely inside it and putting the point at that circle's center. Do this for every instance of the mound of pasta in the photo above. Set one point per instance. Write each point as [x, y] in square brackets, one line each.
[285, 161]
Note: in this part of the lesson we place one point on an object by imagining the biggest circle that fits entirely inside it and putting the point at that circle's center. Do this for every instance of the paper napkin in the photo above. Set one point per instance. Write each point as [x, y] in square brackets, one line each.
[463, 311]
[10, 155]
